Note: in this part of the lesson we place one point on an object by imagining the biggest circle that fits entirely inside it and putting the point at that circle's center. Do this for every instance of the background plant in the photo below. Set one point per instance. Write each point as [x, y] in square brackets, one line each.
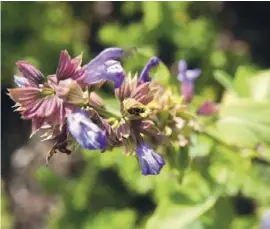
[227, 163]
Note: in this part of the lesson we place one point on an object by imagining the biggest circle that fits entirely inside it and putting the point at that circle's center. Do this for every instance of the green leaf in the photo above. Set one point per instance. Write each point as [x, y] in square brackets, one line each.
[244, 223]
[241, 81]
[260, 85]
[245, 122]
[222, 214]
[51, 182]
[121, 219]
[108, 33]
[218, 59]
[163, 75]
[152, 14]
[179, 216]
[112, 104]
[224, 79]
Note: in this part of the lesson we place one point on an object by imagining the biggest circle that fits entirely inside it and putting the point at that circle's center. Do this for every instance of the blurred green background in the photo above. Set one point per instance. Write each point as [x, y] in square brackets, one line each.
[224, 187]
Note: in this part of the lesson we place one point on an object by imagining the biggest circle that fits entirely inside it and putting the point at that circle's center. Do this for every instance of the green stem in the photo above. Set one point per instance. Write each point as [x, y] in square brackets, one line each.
[107, 113]
[219, 141]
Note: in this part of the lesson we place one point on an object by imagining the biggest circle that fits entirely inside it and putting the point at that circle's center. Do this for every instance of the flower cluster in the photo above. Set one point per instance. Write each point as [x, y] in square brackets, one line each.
[67, 108]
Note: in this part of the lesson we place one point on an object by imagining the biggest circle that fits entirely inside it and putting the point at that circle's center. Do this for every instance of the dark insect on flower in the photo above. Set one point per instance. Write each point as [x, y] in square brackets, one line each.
[66, 106]
[187, 78]
[136, 110]
[136, 127]
[132, 109]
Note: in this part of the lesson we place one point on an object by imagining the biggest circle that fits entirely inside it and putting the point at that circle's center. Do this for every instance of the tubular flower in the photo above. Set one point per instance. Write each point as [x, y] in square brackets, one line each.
[144, 76]
[86, 133]
[151, 162]
[104, 67]
[187, 78]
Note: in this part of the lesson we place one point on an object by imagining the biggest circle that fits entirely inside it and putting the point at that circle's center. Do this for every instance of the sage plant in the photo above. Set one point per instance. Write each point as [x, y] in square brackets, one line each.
[67, 108]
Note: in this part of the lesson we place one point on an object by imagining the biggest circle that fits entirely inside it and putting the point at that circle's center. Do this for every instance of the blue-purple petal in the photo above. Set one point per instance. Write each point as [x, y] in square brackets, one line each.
[144, 76]
[86, 133]
[182, 66]
[187, 78]
[114, 73]
[105, 55]
[193, 74]
[187, 74]
[104, 67]
[151, 162]
[20, 81]
[181, 76]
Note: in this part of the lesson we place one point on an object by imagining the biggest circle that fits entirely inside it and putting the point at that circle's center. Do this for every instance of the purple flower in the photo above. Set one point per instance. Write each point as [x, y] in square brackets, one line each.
[33, 77]
[70, 68]
[28, 97]
[144, 77]
[151, 162]
[104, 67]
[187, 78]
[37, 100]
[86, 133]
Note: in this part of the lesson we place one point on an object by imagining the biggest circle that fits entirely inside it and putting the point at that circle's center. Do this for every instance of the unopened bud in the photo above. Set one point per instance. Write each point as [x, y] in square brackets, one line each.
[208, 108]
[71, 92]
[95, 100]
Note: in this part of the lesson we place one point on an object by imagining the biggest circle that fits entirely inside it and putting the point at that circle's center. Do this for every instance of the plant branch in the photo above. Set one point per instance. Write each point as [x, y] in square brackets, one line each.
[107, 113]
[219, 141]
